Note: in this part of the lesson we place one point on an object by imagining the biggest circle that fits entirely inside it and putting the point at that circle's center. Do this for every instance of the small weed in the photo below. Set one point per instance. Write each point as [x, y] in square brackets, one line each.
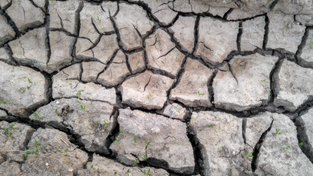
[128, 171]
[137, 63]
[310, 45]
[150, 22]
[158, 36]
[83, 107]
[13, 142]
[98, 19]
[199, 131]
[285, 25]
[286, 148]
[163, 62]
[263, 80]
[301, 144]
[249, 155]
[147, 173]
[211, 126]
[200, 93]
[79, 93]
[4, 102]
[136, 162]
[90, 102]
[105, 123]
[91, 166]
[134, 139]
[116, 141]
[157, 0]
[148, 143]
[34, 151]
[120, 132]
[28, 87]
[78, 102]
[12, 126]
[176, 59]
[36, 115]
[29, 80]
[218, 149]
[192, 120]
[149, 96]
[56, 112]
[144, 158]
[277, 131]
[66, 150]
[7, 132]
[59, 150]
[230, 170]
[90, 129]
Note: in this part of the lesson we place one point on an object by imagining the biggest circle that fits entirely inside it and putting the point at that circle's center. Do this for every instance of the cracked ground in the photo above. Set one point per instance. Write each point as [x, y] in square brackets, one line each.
[156, 87]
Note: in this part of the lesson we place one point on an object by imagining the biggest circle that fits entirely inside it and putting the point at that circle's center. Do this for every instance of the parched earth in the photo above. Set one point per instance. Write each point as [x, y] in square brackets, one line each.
[156, 87]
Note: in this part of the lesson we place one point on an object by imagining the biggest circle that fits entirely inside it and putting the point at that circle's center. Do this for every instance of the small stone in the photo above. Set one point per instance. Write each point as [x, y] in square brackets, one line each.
[192, 90]
[146, 90]
[174, 111]
[25, 15]
[293, 86]
[216, 39]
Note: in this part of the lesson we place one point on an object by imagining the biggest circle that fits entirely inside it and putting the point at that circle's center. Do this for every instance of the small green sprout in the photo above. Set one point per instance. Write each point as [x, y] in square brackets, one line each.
[150, 22]
[56, 112]
[91, 166]
[310, 45]
[285, 148]
[230, 170]
[148, 143]
[301, 144]
[116, 141]
[211, 126]
[200, 94]
[90, 129]
[7, 132]
[90, 102]
[218, 149]
[263, 80]
[176, 59]
[128, 171]
[277, 131]
[147, 173]
[12, 126]
[134, 139]
[120, 132]
[249, 155]
[285, 25]
[28, 87]
[13, 142]
[29, 80]
[158, 36]
[59, 150]
[149, 96]
[163, 62]
[36, 115]
[105, 123]
[83, 107]
[78, 102]
[136, 162]
[199, 131]
[137, 63]
[157, 0]
[192, 120]
[79, 93]
[65, 150]
[36, 143]
[98, 19]
[144, 158]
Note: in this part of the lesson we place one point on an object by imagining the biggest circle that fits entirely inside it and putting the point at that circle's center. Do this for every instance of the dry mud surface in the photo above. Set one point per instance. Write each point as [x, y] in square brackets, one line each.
[156, 87]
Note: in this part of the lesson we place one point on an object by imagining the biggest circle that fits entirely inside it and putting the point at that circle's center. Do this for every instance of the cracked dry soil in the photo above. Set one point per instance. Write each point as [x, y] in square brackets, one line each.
[156, 87]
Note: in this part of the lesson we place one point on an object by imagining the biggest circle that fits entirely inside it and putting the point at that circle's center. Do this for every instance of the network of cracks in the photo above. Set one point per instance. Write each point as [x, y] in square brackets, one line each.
[149, 88]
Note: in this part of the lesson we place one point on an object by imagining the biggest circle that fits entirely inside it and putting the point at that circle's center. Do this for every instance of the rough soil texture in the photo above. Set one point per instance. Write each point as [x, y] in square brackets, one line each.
[156, 88]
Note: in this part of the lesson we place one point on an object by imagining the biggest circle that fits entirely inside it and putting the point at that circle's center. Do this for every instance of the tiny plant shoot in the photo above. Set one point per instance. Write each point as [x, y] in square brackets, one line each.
[277, 131]
[263, 80]
[98, 19]
[79, 93]
[137, 63]
[211, 126]
[36, 115]
[149, 96]
[136, 162]
[301, 144]
[105, 123]
[310, 45]
[200, 94]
